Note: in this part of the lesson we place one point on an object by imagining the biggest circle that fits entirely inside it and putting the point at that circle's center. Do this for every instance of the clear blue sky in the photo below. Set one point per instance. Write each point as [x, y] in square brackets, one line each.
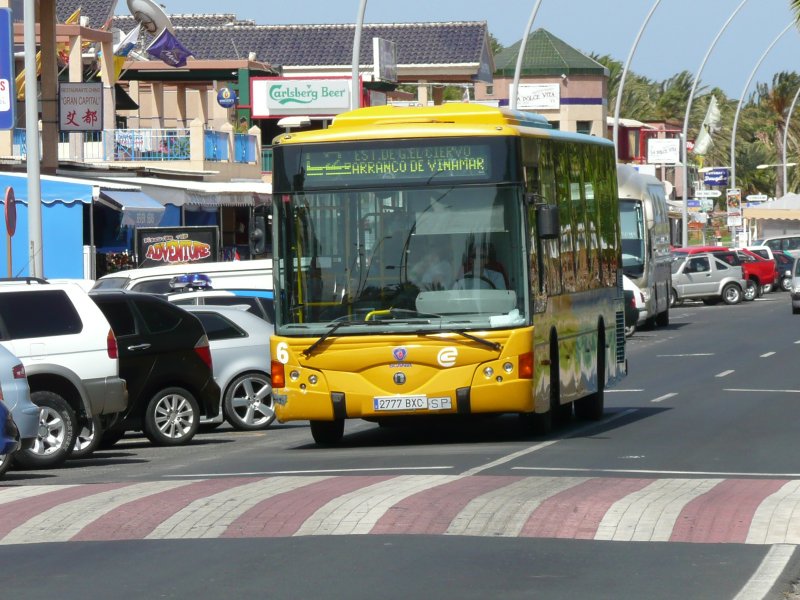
[676, 38]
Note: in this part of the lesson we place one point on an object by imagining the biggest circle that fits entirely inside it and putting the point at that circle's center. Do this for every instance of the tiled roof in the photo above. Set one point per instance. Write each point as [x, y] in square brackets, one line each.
[98, 11]
[545, 54]
[326, 45]
[126, 22]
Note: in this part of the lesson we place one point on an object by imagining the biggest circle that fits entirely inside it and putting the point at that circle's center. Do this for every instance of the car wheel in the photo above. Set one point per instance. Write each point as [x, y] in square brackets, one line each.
[732, 294]
[750, 291]
[247, 404]
[57, 429]
[630, 330]
[5, 463]
[673, 298]
[786, 284]
[172, 417]
[766, 288]
[88, 438]
[327, 433]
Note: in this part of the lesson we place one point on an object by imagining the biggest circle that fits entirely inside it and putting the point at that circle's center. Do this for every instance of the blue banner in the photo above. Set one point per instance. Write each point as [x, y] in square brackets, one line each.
[167, 48]
[7, 94]
[716, 177]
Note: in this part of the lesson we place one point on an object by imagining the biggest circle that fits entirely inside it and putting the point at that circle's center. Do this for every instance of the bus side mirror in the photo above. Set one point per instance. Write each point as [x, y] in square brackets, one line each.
[258, 237]
[547, 224]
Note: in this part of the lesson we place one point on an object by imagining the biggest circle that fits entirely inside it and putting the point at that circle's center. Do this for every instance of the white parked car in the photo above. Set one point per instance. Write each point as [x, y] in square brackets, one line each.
[70, 356]
[240, 353]
[639, 306]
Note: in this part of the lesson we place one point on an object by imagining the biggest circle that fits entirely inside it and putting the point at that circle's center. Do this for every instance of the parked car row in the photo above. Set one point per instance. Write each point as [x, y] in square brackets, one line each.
[713, 274]
[79, 369]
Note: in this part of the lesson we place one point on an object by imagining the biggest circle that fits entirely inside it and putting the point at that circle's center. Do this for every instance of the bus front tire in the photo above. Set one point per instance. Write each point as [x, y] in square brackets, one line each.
[327, 433]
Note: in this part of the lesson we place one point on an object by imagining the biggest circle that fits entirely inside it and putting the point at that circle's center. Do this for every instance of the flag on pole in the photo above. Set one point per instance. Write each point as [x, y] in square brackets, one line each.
[123, 49]
[709, 127]
[166, 47]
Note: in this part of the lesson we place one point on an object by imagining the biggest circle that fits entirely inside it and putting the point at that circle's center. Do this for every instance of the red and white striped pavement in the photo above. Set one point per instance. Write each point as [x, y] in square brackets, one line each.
[747, 511]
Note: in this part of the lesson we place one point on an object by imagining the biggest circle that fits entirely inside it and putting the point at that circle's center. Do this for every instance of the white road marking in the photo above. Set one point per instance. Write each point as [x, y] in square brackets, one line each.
[762, 391]
[514, 455]
[767, 354]
[684, 355]
[655, 472]
[664, 397]
[621, 391]
[767, 573]
[724, 373]
[311, 471]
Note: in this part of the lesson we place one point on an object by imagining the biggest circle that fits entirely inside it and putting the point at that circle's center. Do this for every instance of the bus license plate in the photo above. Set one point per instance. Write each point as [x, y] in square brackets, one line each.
[400, 403]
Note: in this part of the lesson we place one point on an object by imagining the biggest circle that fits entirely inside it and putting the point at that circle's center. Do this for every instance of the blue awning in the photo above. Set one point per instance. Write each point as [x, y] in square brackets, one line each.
[138, 209]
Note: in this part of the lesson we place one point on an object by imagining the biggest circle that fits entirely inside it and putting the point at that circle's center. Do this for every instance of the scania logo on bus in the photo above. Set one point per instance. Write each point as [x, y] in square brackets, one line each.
[447, 356]
[399, 378]
[399, 353]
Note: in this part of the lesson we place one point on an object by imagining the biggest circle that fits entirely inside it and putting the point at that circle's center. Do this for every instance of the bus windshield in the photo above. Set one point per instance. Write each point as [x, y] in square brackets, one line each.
[410, 258]
[633, 241]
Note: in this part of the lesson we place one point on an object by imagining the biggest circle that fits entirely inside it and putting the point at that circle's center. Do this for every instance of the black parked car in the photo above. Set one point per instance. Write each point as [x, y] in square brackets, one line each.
[165, 358]
[783, 265]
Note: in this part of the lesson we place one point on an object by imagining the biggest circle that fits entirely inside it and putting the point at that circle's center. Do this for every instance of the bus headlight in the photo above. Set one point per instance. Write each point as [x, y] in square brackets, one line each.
[488, 372]
[508, 367]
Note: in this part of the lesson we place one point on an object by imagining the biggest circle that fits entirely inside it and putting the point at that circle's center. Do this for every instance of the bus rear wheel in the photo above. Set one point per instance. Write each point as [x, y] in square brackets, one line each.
[327, 433]
[592, 406]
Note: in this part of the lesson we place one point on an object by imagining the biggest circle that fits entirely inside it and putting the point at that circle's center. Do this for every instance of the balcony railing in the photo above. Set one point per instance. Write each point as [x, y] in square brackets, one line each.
[266, 160]
[244, 148]
[149, 145]
[216, 145]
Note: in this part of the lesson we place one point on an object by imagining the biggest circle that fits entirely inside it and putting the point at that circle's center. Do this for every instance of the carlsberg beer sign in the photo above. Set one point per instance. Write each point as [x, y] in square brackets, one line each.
[281, 96]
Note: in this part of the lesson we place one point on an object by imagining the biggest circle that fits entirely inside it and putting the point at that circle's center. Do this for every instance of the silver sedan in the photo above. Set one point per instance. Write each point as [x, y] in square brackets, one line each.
[240, 356]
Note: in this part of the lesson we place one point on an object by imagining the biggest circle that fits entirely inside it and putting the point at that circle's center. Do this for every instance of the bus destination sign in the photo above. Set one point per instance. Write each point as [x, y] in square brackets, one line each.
[364, 165]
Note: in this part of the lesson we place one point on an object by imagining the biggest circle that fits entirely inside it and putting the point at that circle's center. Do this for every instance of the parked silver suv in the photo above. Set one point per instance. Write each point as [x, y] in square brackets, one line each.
[705, 277]
[70, 356]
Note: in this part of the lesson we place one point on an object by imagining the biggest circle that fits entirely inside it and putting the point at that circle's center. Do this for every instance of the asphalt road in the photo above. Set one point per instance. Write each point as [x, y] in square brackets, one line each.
[688, 488]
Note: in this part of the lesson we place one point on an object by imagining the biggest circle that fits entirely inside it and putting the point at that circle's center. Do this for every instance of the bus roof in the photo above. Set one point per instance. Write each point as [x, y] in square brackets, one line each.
[445, 120]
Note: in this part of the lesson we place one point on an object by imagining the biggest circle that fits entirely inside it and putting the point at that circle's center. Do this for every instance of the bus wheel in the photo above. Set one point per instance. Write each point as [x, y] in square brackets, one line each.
[327, 433]
[591, 407]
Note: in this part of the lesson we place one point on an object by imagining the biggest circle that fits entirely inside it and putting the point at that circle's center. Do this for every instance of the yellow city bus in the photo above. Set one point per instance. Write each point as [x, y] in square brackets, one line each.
[522, 312]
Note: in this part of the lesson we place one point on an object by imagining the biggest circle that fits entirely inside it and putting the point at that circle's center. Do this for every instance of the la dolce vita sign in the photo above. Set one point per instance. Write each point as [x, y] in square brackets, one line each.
[280, 96]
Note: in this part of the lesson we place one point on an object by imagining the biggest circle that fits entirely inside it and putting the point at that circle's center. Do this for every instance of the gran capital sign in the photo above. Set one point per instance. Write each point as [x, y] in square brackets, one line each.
[285, 96]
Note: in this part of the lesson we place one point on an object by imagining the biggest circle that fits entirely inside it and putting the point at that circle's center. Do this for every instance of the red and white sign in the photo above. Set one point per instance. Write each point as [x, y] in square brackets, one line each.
[80, 106]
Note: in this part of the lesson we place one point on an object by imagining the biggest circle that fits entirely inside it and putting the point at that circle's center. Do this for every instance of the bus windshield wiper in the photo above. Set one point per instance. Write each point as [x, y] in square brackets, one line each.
[308, 351]
[488, 343]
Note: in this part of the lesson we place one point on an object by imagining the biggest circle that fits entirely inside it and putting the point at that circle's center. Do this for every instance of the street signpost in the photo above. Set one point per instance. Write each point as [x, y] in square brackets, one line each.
[707, 193]
[11, 223]
[7, 93]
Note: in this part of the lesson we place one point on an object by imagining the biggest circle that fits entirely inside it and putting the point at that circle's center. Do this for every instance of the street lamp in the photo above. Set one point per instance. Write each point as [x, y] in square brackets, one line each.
[741, 101]
[522, 44]
[776, 165]
[355, 96]
[685, 215]
[625, 73]
[786, 139]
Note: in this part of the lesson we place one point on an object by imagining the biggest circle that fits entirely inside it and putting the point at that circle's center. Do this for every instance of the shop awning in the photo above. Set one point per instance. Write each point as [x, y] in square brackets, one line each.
[138, 209]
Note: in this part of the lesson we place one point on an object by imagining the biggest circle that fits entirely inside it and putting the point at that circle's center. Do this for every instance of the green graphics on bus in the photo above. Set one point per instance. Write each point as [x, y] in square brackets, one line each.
[374, 163]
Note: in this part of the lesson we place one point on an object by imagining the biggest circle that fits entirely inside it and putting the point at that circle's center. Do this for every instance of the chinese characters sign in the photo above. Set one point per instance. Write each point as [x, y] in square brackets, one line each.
[80, 107]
